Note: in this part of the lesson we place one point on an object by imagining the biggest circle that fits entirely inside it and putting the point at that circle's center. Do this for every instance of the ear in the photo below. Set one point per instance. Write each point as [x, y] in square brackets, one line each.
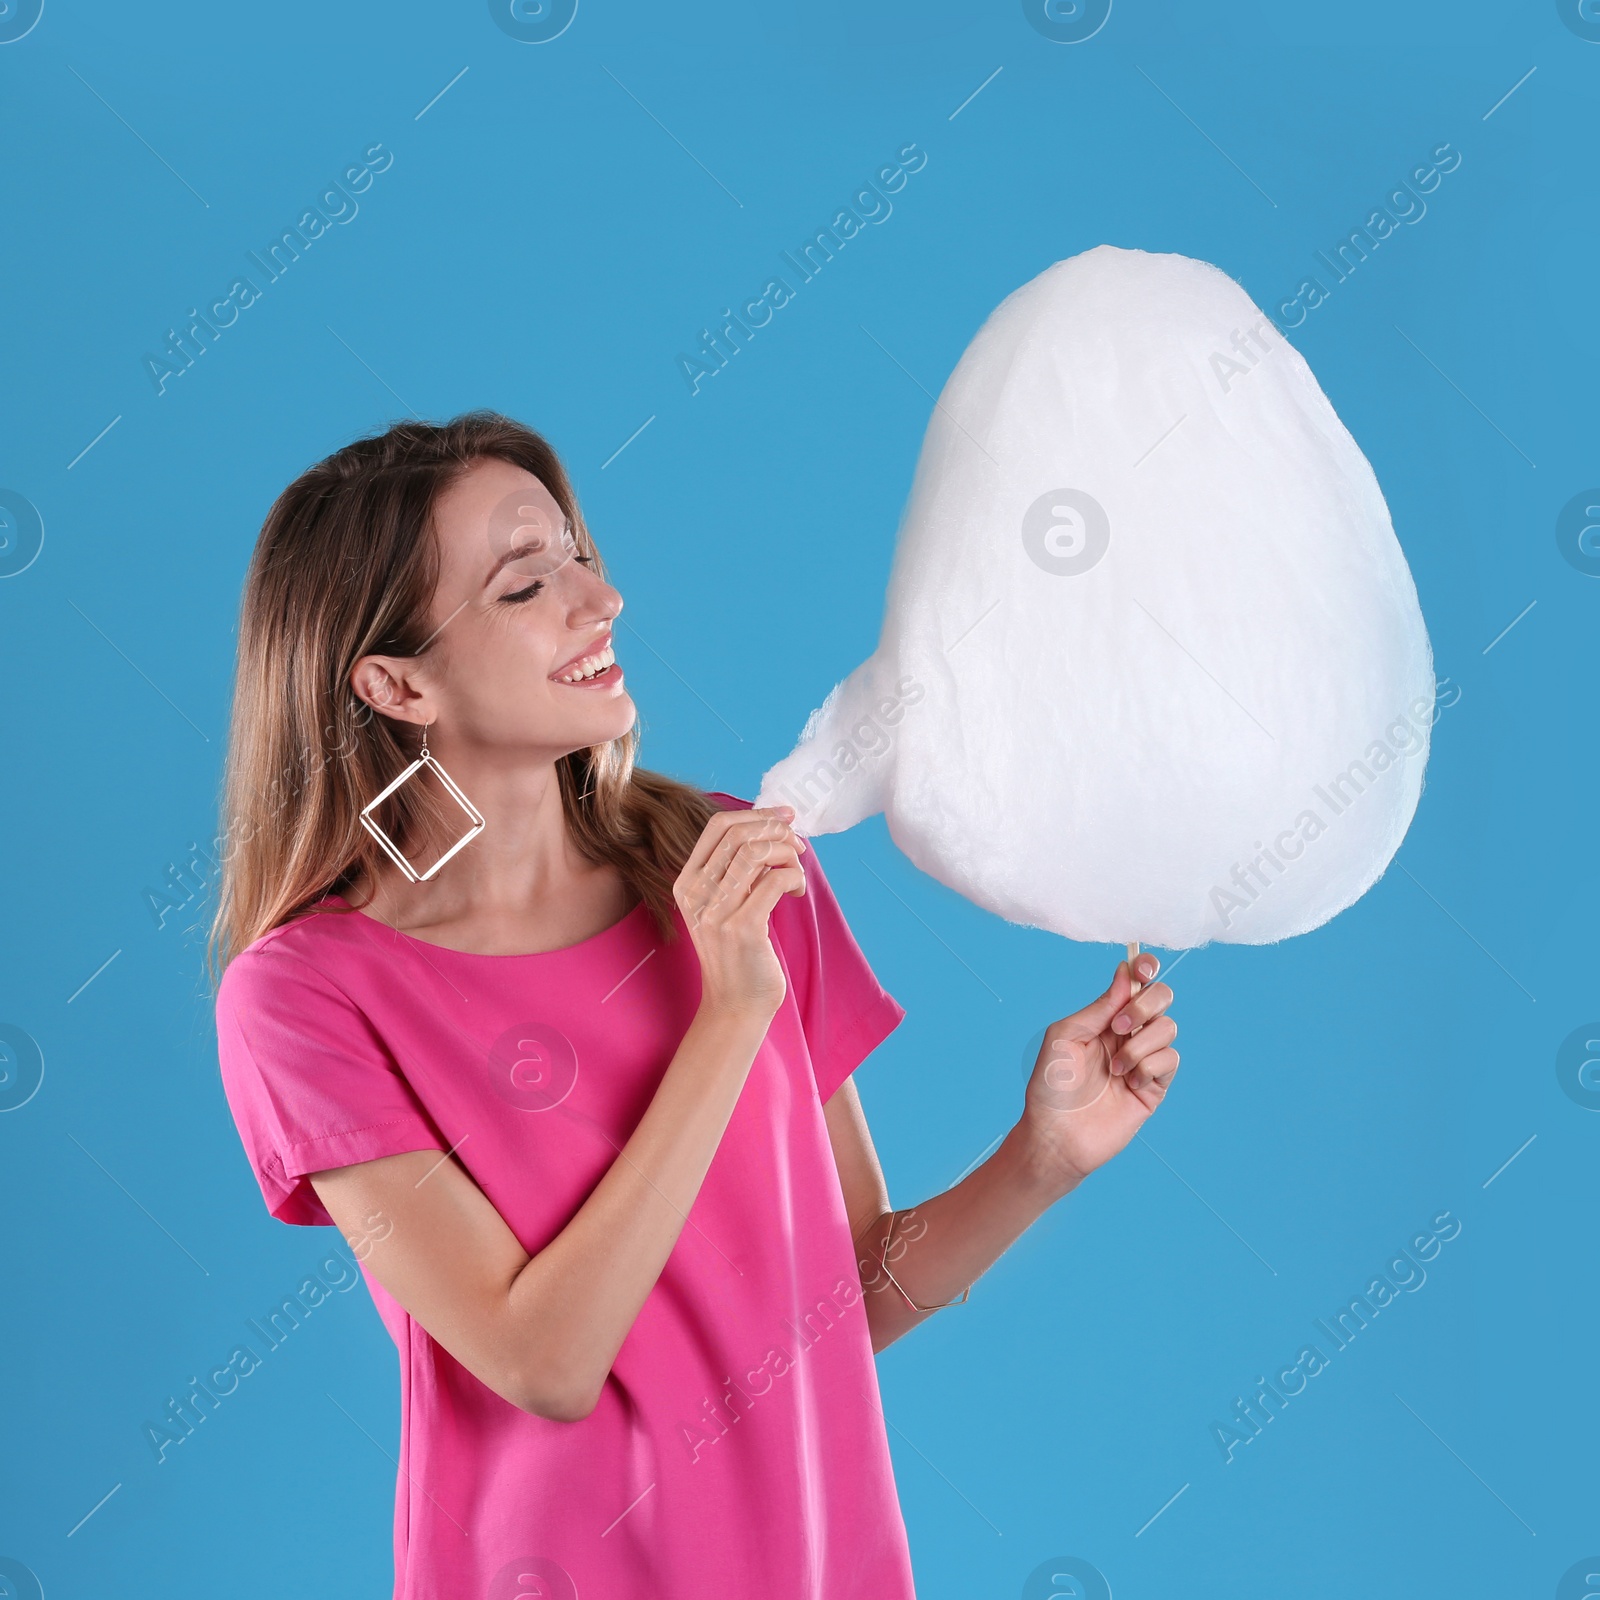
[389, 685]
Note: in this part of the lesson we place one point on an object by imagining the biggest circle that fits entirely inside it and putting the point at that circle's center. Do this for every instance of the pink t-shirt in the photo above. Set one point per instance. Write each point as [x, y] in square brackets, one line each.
[738, 1448]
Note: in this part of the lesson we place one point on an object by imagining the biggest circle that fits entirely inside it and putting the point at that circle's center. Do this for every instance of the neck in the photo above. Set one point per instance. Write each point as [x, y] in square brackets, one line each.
[523, 862]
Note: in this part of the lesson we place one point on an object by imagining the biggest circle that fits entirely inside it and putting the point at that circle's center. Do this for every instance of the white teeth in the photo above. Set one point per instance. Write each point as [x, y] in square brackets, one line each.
[589, 667]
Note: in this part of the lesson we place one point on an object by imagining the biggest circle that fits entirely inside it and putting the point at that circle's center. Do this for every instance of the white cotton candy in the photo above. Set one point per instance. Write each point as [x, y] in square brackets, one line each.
[1152, 665]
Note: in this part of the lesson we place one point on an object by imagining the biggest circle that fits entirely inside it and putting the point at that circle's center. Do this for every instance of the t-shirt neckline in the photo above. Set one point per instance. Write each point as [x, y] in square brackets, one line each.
[626, 920]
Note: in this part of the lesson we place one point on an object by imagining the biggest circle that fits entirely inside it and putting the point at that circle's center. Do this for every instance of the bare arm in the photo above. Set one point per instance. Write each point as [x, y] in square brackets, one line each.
[543, 1331]
[944, 1244]
[1093, 1085]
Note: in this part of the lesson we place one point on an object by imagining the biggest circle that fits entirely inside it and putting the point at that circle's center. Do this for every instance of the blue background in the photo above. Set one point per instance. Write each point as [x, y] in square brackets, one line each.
[555, 230]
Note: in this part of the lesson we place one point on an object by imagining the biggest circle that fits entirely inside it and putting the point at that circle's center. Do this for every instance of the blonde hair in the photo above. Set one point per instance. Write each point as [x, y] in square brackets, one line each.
[345, 566]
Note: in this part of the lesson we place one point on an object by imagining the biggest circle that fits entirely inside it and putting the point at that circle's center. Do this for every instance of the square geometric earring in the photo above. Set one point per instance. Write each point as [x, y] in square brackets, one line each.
[393, 850]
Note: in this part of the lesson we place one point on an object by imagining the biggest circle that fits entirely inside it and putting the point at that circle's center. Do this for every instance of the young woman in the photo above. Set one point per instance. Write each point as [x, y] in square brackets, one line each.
[563, 1048]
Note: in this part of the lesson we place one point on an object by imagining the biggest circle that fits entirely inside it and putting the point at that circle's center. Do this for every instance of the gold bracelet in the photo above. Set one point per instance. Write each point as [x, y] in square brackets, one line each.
[883, 1262]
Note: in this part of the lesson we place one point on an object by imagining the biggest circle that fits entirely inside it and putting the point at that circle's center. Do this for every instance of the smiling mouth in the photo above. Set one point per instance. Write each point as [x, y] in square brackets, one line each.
[591, 668]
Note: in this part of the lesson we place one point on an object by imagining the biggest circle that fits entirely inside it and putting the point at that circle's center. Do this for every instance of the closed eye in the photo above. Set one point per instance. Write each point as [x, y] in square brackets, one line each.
[516, 596]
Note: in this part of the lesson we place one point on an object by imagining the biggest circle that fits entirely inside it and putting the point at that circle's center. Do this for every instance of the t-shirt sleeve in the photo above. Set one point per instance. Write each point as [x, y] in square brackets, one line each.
[845, 1012]
[309, 1082]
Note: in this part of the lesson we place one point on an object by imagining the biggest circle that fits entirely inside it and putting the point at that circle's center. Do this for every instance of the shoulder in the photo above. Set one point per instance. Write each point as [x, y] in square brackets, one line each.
[730, 802]
[310, 952]
[312, 991]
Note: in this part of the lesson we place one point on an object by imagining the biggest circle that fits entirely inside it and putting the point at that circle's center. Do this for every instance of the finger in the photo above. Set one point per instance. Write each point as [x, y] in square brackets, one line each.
[710, 838]
[1144, 1007]
[769, 891]
[755, 857]
[748, 830]
[1145, 966]
[699, 887]
[717, 827]
[751, 864]
[1096, 1016]
[1151, 1079]
[1152, 1037]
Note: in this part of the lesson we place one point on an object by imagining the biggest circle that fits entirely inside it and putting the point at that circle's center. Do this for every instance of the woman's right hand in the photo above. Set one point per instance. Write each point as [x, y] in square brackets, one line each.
[740, 866]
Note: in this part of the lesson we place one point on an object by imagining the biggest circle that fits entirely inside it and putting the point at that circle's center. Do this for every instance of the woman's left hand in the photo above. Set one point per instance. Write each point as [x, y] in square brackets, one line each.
[1100, 1073]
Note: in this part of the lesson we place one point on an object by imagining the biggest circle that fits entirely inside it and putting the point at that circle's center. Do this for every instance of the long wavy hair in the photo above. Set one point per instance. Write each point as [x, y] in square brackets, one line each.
[345, 566]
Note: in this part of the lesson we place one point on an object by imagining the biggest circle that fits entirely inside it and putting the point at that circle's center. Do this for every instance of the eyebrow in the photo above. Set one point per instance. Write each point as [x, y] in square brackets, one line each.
[515, 553]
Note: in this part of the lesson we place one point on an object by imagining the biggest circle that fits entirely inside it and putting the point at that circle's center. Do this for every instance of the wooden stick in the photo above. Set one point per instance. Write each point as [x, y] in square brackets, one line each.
[1133, 950]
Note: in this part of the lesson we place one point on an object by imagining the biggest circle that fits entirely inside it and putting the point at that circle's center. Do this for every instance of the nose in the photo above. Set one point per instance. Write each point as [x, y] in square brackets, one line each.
[593, 599]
